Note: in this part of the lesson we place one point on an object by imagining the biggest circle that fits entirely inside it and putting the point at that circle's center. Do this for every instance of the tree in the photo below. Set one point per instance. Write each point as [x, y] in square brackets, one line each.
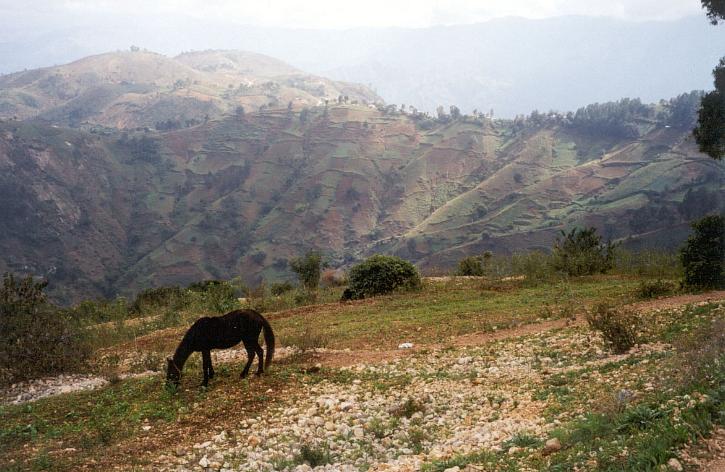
[715, 10]
[582, 252]
[308, 269]
[710, 131]
[703, 255]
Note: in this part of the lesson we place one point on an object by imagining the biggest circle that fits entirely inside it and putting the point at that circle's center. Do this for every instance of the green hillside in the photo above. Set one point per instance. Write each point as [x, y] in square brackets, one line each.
[107, 212]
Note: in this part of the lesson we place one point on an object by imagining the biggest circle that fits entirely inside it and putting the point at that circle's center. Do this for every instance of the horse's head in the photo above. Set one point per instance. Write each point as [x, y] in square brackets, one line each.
[173, 374]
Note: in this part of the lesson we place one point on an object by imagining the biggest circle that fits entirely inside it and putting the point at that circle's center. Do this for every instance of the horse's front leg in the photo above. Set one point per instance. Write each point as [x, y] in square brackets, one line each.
[206, 366]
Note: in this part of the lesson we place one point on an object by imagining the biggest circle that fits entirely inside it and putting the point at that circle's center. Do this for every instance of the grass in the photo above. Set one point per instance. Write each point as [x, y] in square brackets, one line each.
[445, 309]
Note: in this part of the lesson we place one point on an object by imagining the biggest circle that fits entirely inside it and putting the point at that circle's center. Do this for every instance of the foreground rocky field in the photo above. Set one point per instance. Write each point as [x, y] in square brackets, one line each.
[542, 395]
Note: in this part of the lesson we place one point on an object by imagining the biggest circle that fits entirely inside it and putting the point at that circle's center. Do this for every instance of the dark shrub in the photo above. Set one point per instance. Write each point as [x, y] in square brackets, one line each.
[217, 295]
[474, 265]
[655, 288]
[703, 255]
[382, 274]
[37, 337]
[280, 288]
[154, 298]
[581, 252]
[618, 326]
[308, 269]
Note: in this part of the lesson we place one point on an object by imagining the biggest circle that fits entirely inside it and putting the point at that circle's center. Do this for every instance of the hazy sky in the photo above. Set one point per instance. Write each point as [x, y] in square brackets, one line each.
[338, 14]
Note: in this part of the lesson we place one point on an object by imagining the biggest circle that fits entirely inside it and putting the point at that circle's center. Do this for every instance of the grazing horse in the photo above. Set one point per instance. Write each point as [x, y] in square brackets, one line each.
[223, 332]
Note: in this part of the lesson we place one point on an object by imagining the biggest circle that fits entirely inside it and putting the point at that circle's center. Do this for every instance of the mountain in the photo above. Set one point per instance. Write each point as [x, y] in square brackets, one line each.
[510, 65]
[144, 89]
[102, 212]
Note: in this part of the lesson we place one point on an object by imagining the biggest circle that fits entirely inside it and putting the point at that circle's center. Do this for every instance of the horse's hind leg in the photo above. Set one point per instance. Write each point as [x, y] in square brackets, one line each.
[206, 367]
[250, 358]
[260, 353]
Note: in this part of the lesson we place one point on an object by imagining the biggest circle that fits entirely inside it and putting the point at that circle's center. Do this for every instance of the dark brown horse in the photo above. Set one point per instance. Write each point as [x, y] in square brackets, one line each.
[223, 332]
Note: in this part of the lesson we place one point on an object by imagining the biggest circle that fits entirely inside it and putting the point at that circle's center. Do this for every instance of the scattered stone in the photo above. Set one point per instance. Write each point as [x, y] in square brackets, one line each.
[674, 464]
[204, 462]
[405, 346]
[551, 446]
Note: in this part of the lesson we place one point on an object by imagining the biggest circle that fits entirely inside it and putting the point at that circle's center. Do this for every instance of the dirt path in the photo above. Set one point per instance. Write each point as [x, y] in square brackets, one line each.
[338, 359]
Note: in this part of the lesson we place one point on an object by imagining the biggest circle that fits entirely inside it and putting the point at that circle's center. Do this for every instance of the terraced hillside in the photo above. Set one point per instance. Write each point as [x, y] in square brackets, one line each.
[140, 88]
[105, 212]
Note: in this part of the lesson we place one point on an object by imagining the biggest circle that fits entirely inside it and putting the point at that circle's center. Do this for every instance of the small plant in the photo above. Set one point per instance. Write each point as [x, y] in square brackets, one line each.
[280, 288]
[305, 339]
[380, 275]
[581, 252]
[619, 327]
[416, 438]
[303, 297]
[313, 456]
[655, 288]
[703, 255]
[308, 269]
[407, 409]
[524, 440]
[638, 417]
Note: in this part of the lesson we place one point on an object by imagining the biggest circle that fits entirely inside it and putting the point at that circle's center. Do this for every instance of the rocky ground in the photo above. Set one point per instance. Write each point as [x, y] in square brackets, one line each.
[498, 398]
[432, 405]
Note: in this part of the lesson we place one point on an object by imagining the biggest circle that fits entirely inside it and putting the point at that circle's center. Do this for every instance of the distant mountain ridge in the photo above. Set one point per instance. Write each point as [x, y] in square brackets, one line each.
[144, 89]
[510, 65]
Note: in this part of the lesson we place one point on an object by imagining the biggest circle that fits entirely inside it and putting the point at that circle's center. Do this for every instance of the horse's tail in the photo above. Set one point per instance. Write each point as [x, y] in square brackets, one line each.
[268, 340]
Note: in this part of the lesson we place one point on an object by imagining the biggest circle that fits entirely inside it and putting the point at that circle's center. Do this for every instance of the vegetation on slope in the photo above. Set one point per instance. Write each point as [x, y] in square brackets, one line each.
[247, 193]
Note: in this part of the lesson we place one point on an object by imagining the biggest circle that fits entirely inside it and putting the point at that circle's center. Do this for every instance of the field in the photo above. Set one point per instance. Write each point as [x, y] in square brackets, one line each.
[501, 376]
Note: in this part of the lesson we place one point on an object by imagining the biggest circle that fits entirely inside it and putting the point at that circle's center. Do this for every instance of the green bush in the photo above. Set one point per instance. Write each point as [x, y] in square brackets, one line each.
[216, 295]
[655, 288]
[308, 269]
[703, 255]
[37, 337]
[382, 274]
[154, 298]
[535, 266]
[313, 456]
[581, 252]
[280, 288]
[474, 265]
[619, 327]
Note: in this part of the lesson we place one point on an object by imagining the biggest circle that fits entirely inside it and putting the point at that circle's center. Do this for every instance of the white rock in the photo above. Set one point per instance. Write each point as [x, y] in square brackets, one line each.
[674, 464]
